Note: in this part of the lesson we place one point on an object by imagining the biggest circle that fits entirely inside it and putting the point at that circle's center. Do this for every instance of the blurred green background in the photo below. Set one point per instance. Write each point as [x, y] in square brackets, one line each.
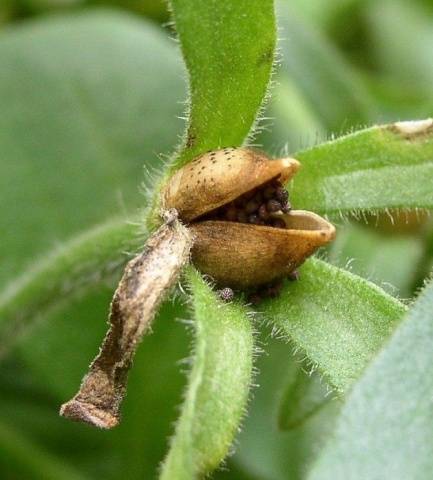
[90, 91]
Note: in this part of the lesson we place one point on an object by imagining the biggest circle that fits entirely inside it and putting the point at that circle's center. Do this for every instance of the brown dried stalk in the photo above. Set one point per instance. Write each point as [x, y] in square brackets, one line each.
[144, 284]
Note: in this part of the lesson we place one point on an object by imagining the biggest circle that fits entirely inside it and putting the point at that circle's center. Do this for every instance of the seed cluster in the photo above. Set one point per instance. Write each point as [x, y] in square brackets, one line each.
[258, 206]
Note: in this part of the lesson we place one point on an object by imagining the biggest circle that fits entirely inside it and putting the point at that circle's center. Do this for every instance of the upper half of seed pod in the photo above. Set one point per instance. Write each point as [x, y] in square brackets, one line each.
[218, 177]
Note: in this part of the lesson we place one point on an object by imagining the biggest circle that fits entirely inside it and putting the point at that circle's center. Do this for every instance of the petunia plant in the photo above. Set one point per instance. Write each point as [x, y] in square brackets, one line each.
[240, 230]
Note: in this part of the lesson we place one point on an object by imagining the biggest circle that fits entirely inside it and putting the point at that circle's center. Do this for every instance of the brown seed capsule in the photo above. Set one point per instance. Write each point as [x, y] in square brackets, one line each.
[244, 255]
[266, 241]
[219, 177]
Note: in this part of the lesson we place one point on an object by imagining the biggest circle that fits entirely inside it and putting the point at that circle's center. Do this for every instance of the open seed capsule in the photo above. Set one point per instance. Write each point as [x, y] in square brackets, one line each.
[218, 177]
[233, 201]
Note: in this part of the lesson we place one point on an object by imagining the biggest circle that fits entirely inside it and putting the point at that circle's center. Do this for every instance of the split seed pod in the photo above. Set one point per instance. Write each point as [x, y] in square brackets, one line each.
[236, 253]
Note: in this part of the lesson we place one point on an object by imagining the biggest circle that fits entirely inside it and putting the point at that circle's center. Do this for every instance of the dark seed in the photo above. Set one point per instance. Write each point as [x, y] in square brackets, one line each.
[286, 207]
[226, 294]
[273, 206]
[231, 214]
[252, 206]
[258, 197]
[263, 213]
[268, 192]
[242, 217]
[255, 220]
[239, 202]
[282, 194]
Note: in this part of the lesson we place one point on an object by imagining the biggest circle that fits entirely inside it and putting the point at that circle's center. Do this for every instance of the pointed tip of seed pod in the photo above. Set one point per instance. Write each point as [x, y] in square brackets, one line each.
[88, 413]
[289, 167]
[314, 226]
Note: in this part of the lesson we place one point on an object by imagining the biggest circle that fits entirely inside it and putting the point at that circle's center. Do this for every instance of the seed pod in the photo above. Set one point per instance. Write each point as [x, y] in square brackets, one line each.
[216, 178]
[242, 255]
[260, 244]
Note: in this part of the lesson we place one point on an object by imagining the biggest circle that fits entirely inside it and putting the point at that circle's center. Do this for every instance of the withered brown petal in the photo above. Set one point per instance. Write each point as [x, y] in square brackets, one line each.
[242, 255]
[216, 178]
[144, 284]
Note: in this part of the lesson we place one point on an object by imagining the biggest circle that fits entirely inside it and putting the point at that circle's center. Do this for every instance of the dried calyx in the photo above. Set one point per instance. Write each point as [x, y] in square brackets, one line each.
[245, 232]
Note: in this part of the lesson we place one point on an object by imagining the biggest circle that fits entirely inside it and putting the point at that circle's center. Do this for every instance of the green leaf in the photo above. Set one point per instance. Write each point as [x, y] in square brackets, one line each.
[338, 319]
[81, 265]
[386, 427]
[86, 100]
[295, 122]
[389, 166]
[51, 364]
[19, 456]
[322, 74]
[406, 56]
[305, 394]
[265, 450]
[390, 261]
[218, 385]
[229, 50]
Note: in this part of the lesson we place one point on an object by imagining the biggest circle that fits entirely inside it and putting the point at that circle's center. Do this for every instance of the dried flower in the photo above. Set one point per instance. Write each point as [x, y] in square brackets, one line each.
[145, 282]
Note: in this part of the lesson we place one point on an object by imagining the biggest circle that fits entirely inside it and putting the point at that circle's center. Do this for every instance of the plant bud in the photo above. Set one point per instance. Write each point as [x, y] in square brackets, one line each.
[245, 233]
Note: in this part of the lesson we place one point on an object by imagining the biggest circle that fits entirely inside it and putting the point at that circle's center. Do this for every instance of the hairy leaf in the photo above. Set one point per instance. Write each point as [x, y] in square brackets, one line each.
[86, 101]
[389, 166]
[80, 265]
[305, 394]
[322, 74]
[229, 50]
[20, 456]
[265, 450]
[386, 427]
[390, 261]
[218, 385]
[338, 319]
